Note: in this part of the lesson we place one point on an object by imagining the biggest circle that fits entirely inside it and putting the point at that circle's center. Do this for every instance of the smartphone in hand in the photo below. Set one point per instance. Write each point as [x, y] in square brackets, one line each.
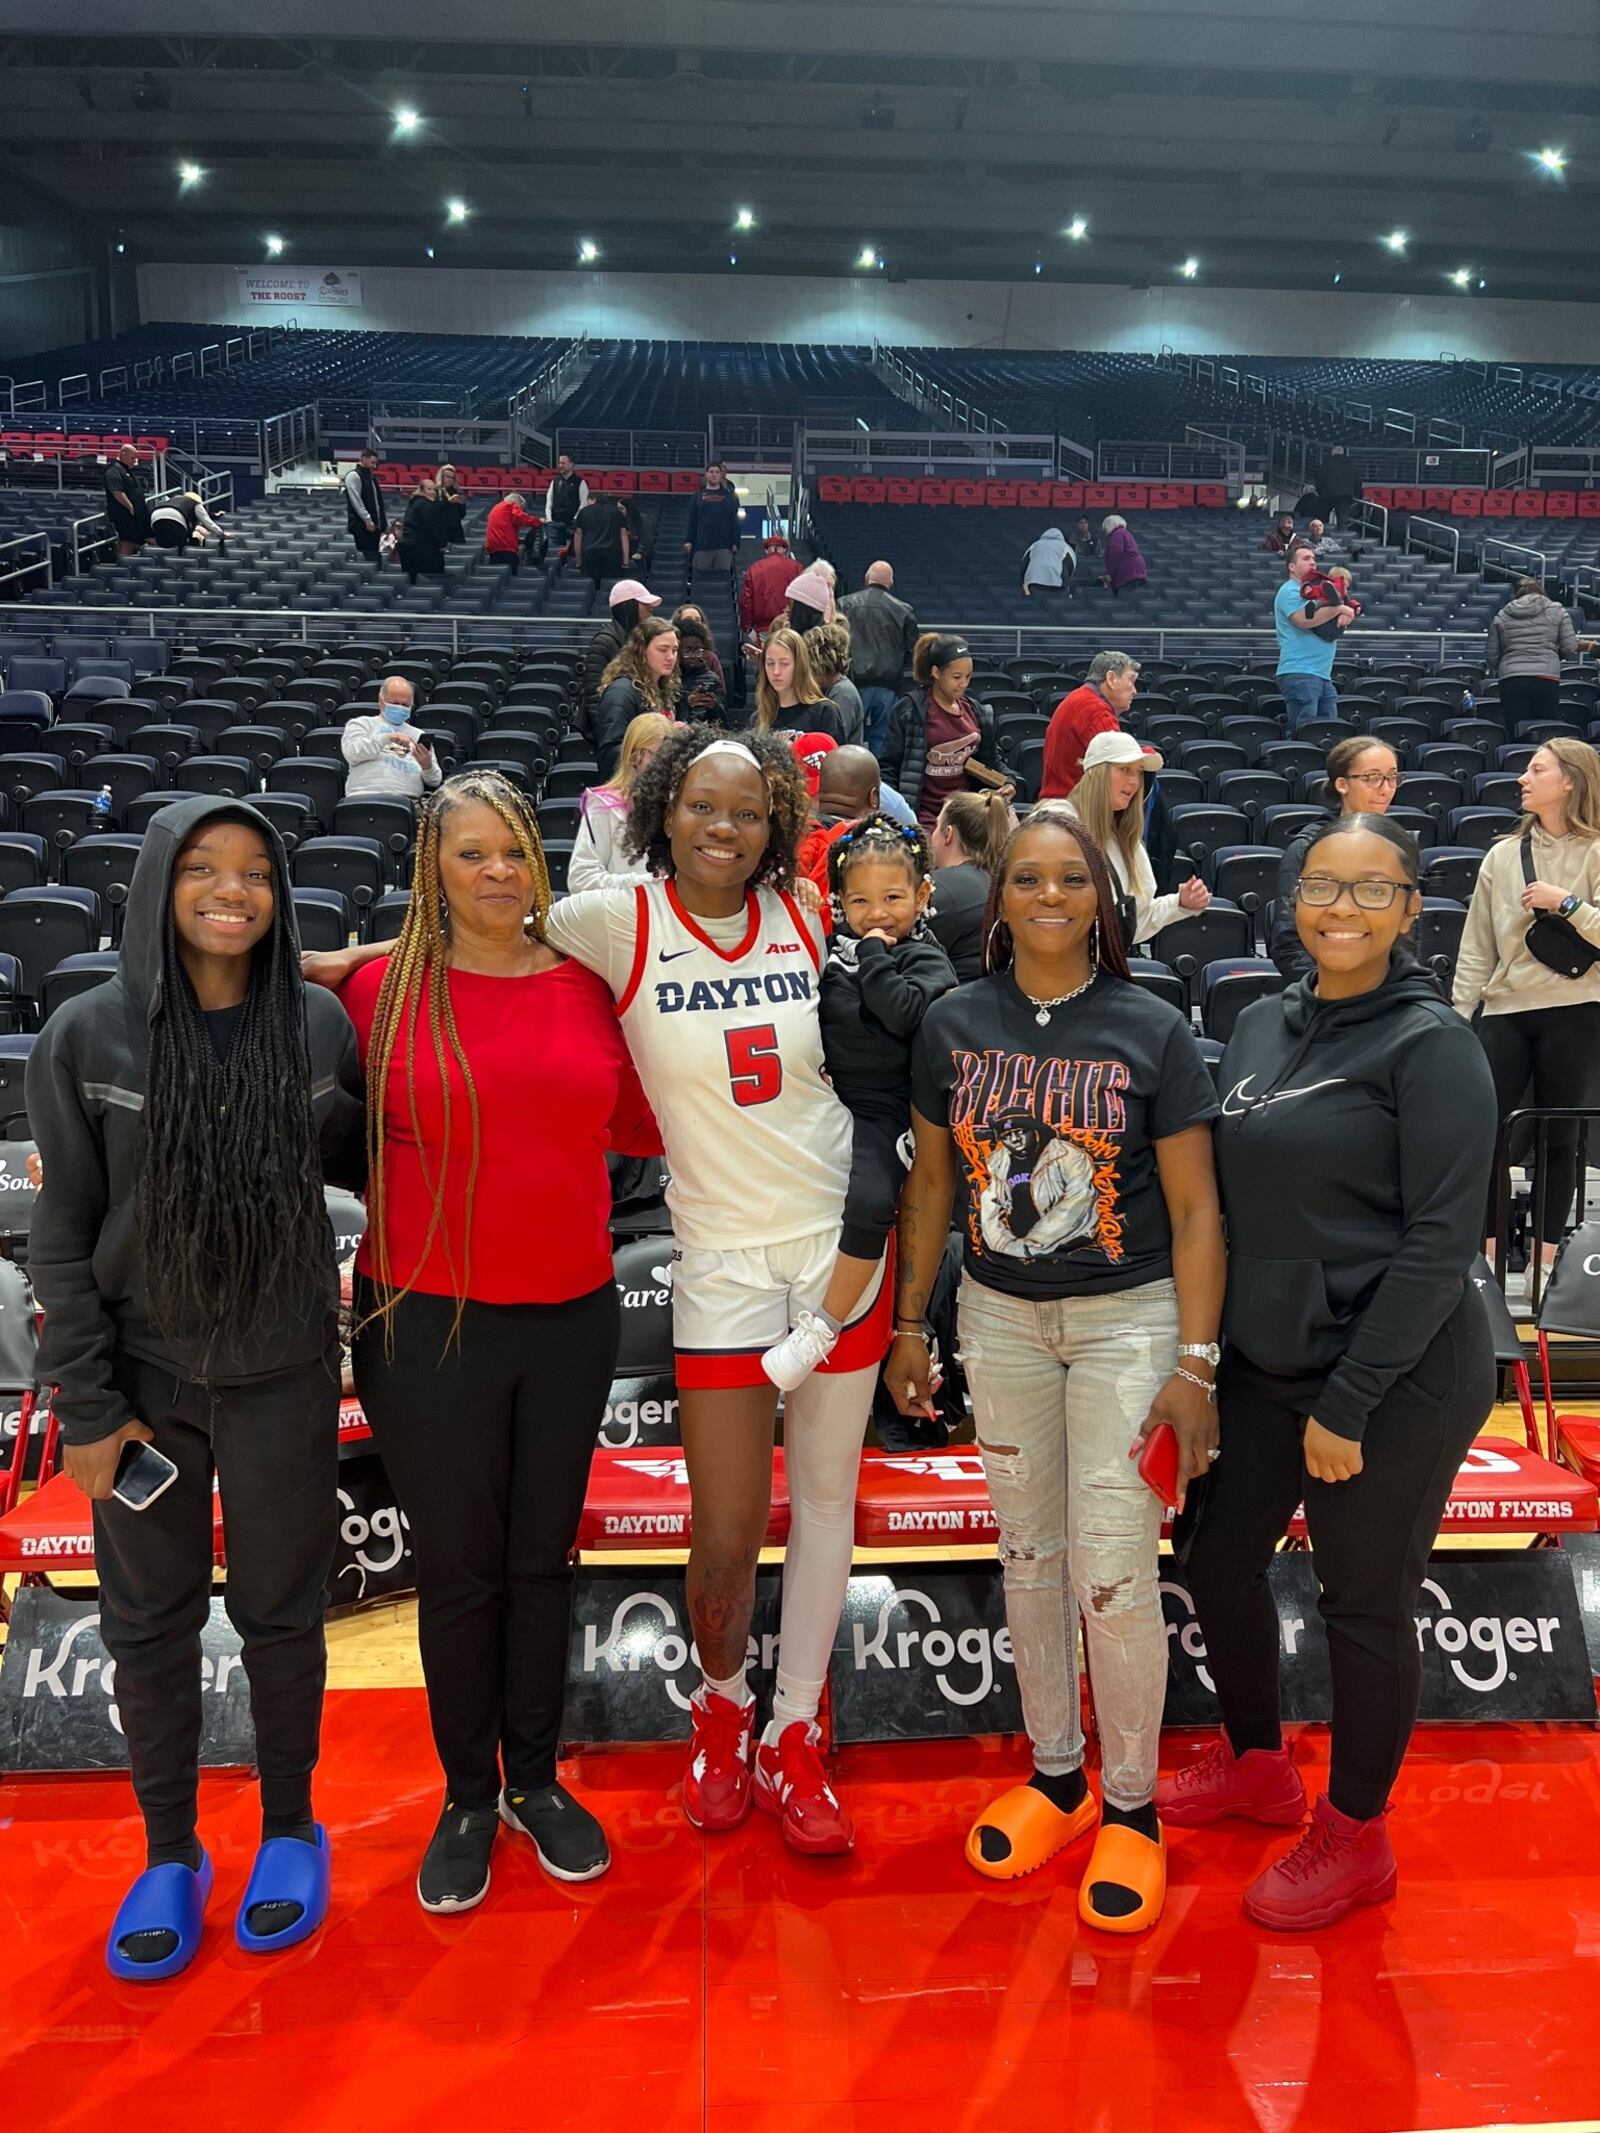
[143, 1474]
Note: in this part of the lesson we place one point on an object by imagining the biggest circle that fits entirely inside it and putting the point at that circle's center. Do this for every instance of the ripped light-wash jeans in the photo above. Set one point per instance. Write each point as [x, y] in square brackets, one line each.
[1060, 1390]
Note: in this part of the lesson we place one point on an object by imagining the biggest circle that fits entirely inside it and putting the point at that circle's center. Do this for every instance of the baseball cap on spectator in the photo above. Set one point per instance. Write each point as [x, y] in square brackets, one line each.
[1123, 748]
[775, 541]
[631, 589]
[809, 750]
[812, 589]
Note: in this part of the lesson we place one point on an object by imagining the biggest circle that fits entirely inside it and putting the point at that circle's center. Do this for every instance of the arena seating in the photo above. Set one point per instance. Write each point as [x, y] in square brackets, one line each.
[680, 385]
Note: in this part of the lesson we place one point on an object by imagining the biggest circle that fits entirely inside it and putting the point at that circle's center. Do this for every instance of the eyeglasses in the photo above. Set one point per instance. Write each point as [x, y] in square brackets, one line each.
[1376, 777]
[1371, 894]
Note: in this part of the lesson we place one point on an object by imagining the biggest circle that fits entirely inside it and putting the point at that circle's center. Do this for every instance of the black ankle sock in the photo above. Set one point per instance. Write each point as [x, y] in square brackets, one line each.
[1065, 1792]
[1143, 1819]
[267, 1918]
[185, 1852]
[300, 1826]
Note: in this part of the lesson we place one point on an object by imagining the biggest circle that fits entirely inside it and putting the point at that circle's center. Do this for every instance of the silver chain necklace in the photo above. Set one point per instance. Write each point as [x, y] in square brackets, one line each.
[1043, 1007]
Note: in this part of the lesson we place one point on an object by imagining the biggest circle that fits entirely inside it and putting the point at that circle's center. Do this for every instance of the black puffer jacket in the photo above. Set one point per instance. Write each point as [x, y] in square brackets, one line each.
[905, 749]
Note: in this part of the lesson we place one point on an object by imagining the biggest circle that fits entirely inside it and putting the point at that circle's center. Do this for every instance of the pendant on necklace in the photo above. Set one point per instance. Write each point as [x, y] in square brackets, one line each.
[1043, 1018]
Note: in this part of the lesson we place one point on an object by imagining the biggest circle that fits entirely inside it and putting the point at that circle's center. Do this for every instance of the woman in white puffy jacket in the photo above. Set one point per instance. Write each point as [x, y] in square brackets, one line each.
[598, 858]
[1109, 801]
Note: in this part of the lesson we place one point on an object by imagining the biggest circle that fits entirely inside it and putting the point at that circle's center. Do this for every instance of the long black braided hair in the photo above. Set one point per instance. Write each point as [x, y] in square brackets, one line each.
[229, 1202]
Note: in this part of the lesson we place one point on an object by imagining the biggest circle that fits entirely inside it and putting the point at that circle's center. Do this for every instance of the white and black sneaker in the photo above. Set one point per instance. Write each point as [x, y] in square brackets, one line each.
[810, 1341]
[455, 1868]
[570, 1842]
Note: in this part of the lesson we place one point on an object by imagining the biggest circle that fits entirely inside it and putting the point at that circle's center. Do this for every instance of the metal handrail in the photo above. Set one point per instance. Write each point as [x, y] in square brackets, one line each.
[922, 452]
[1420, 531]
[1510, 548]
[23, 568]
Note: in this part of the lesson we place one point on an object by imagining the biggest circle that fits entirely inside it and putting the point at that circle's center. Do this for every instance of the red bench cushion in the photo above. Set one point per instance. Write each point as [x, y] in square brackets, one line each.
[53, 1529]
[1578, 1441]
[637, 1499]
[937, 1498]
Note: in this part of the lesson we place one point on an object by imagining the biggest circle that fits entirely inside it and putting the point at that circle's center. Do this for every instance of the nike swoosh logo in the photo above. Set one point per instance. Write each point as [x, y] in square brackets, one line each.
[1236, 1104]
[671, 955]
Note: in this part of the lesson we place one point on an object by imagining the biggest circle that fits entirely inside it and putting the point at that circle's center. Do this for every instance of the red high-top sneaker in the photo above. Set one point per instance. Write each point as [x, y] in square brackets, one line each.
[716, 1785]
[1338, 1865]
[1262, 1785]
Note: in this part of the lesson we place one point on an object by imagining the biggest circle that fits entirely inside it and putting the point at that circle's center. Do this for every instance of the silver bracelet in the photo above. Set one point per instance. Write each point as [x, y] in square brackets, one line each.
[1204, 1384]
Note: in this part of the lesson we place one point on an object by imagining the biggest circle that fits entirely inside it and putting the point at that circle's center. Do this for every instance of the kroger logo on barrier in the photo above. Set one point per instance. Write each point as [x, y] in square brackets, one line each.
[386, 1528]
[630, 1422]
[977, 1648]
[1191, 1642]
[644, 1631]
[78, 1665]
[1496, 1637]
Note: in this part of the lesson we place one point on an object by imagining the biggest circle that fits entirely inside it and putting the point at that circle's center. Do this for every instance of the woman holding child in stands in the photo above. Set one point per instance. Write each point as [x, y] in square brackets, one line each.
[186, 1113]
[487, 1314]
[1358, 1368]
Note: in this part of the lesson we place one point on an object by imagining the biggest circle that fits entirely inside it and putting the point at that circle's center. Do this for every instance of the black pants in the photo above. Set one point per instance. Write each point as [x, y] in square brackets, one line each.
[506, 559]
[488, 1442]
[1525, 697]
[876, 1175]
[1372, 1537]
[367, 543]
[274, 1447]
[1558, 1048]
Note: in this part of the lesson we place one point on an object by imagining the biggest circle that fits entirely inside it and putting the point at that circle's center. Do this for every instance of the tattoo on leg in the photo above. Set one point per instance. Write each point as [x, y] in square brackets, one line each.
[721, 1599]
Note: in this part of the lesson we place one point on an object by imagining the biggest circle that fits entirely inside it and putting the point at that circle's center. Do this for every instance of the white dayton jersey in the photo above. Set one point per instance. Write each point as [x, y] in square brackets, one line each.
[721, 1019]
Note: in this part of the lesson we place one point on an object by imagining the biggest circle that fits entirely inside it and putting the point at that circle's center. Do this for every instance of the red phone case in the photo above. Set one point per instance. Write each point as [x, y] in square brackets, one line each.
[1158, 1463]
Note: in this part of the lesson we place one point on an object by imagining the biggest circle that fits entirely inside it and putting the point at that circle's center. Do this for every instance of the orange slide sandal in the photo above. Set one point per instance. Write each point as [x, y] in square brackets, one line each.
[1017, 1833]
[1126, 1884]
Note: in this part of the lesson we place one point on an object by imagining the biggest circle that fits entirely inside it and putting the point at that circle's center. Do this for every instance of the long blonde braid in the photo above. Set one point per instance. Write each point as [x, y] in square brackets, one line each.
[417, 973]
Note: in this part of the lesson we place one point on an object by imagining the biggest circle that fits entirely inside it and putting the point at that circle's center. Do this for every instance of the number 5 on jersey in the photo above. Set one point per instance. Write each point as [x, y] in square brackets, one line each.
[755, 1070]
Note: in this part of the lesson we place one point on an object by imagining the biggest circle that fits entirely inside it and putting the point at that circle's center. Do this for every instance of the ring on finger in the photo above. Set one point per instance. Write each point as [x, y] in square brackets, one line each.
[1214, 1453]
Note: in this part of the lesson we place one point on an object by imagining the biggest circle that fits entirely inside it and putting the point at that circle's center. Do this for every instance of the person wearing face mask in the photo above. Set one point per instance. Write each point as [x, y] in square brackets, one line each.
[386, 753]
[1098, 706]
[1358, 1366]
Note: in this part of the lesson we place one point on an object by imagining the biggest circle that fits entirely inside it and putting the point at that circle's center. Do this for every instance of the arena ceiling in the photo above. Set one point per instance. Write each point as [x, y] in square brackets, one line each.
[1276, 145]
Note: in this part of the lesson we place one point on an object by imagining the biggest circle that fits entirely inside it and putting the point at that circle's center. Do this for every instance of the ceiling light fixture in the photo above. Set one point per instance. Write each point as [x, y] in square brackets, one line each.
[1397, 240]
[1078, 228]
[189, 174]
[1190, 268]
[406, 120]
[456, 210]
[744, 220]
[1552, 161]
[1462, 277]
[588, 251]
[868, 257]
[427, 251]
[274, 247]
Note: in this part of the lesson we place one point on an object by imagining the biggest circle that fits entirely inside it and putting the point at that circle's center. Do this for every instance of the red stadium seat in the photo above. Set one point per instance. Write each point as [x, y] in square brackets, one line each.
[1466, 503]
[1133, 496]
[1379, 494]
[1560, 503]
[1211, 495]
[686, 484]
[1066, 496]
[1589, 503]
[1034, 495]
[1530, 504]
[635, 1498]
[1499, 503]
[930, 490]
[1438, 499]
[1000, 495]
[1408, 500]
[867, 489]
[1099, 496]
[654, 481]
[900, 489]
[831, 488]
[968, 493]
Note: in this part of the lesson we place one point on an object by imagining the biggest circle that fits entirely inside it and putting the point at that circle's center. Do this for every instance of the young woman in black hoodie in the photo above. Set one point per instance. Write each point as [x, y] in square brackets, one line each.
[1358, 1366]
[186, 1112]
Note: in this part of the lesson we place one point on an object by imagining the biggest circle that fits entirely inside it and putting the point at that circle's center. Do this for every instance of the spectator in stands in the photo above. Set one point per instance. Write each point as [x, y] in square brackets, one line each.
[364, 510]
[1049, 564]
[629, 603]
[1538, 1023]
[941, 739]
[883, 636]
[385, 752]
[127, 501]
[183, 1260]
[789, 698]
[1305, 660]
[690, 612]
[643, 677]
[425, 530]
[1109, 800]
[1363, 777]
[180, 520]
[1089, 1316]
[448, 483]
[1279, 534]
[509, 521]
[564, 498]
[599, 859]
[1099, 705]
[810, 602]
[640, 521]
[1084, 539]
[497, 1080]
[967, 843]
[712, 536]
[1124, 564]
[1322, 541]
[1528, 639]
[829, 649]
[601, 546]
[764, 588]
[704, 696]
[1337, 486]
[1353, 1154]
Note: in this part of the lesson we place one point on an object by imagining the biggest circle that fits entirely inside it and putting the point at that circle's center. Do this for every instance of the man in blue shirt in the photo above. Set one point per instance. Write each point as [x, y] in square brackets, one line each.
[1305, 660]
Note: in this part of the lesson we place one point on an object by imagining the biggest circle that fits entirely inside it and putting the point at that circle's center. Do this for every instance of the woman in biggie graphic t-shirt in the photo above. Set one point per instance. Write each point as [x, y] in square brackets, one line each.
[1074, 1111]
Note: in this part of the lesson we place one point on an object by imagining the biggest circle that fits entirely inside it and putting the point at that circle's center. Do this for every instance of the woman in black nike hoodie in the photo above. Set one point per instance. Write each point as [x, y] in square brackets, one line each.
[185, 1113]
[1354, 1151]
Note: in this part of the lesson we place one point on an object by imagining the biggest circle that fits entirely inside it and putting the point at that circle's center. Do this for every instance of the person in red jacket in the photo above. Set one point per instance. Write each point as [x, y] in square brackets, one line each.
[1098, 707]
[487, 1316]
[764, 589]
[502, 536]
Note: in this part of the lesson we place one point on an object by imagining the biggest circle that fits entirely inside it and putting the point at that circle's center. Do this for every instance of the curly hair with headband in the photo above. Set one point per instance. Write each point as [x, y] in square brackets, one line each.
[414, 999]
[656, 790]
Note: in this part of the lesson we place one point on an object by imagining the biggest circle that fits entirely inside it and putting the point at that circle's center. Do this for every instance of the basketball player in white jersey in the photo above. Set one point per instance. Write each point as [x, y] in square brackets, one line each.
[715, 968]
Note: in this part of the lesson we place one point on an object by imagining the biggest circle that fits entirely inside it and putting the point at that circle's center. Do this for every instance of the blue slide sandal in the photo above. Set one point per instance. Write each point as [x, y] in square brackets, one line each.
[287, 1870]
[169, 1900]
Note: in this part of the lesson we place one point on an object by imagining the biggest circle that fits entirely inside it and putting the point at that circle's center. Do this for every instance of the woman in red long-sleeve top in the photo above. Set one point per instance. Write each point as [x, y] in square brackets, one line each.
[504, 528]
[488, 1320]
